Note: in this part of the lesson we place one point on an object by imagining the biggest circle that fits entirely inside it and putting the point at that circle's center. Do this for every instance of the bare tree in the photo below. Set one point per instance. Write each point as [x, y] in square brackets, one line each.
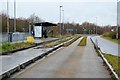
[34, 19]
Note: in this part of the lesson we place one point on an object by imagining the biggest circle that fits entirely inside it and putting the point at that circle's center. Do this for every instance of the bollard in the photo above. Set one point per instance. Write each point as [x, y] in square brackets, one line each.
[10, 37]
[8, 74]
[33, 60]
[18, 68]
[22, 66]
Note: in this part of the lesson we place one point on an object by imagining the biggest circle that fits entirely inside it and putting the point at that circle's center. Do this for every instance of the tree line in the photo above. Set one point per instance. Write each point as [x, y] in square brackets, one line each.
[22, 25]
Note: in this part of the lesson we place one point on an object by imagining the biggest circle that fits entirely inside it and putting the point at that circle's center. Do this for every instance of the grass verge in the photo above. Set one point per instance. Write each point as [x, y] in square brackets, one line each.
[70, 42]
[114, 61]
[57, 42]
[83, 42]
[113, 40]
[9, 47]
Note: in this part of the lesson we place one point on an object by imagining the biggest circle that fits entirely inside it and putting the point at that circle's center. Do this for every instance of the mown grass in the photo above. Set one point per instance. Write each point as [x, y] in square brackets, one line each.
[57, 42]
[9, 47]
[75, 37]
[0, 49]
[113, 40]
[114, 61]
[61, 36]
[70, 42]
[83, 42]
[51, 44]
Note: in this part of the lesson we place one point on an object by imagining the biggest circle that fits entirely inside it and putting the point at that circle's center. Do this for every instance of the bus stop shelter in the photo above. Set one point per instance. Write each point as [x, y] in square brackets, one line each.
[41, 29]
[46, 24]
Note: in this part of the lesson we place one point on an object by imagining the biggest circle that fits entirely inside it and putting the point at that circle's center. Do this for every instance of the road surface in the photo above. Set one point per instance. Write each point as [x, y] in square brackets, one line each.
[107, 46]
[69, 62]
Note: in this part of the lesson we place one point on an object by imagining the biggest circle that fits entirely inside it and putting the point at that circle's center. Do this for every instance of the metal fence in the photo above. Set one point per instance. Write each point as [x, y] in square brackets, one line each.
[14, 37]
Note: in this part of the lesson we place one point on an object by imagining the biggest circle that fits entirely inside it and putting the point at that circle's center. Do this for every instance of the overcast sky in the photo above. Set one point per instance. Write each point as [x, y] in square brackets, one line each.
[77, 11]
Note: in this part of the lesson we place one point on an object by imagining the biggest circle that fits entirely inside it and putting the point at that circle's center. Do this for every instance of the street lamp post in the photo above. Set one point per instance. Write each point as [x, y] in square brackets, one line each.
[7, 16]
[89, 28]
[96, 25]
[118, 20]
[14, 16]
[60, 19]
[29, 28]
[63, 21]
[8, 20]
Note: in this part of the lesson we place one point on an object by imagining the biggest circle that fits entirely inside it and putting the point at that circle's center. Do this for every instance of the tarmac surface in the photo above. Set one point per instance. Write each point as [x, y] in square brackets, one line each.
[107, 46]
[68, 62]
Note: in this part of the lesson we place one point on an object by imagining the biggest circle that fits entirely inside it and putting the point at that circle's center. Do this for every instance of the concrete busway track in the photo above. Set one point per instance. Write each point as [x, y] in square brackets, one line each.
[15, 62]
[70, 62]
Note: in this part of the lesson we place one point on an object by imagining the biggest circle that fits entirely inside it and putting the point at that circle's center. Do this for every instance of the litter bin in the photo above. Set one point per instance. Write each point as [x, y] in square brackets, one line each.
[10, 37]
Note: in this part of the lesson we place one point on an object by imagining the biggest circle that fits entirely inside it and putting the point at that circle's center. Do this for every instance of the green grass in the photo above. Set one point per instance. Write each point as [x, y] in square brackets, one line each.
[51, 44]
[69, 43]
[113, 40]
[61, 36]
[9, 47]
[114, 61]
[83, 42]
[57, 42]
[0, 48]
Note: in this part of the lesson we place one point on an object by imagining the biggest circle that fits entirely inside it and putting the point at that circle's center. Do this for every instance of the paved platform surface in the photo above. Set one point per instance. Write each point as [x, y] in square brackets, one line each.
[10, 61]
[69, 62]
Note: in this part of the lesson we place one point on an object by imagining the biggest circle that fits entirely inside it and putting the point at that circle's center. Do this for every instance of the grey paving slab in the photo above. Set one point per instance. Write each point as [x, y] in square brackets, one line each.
[69, 62]
[10, 61]
[107, 46]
